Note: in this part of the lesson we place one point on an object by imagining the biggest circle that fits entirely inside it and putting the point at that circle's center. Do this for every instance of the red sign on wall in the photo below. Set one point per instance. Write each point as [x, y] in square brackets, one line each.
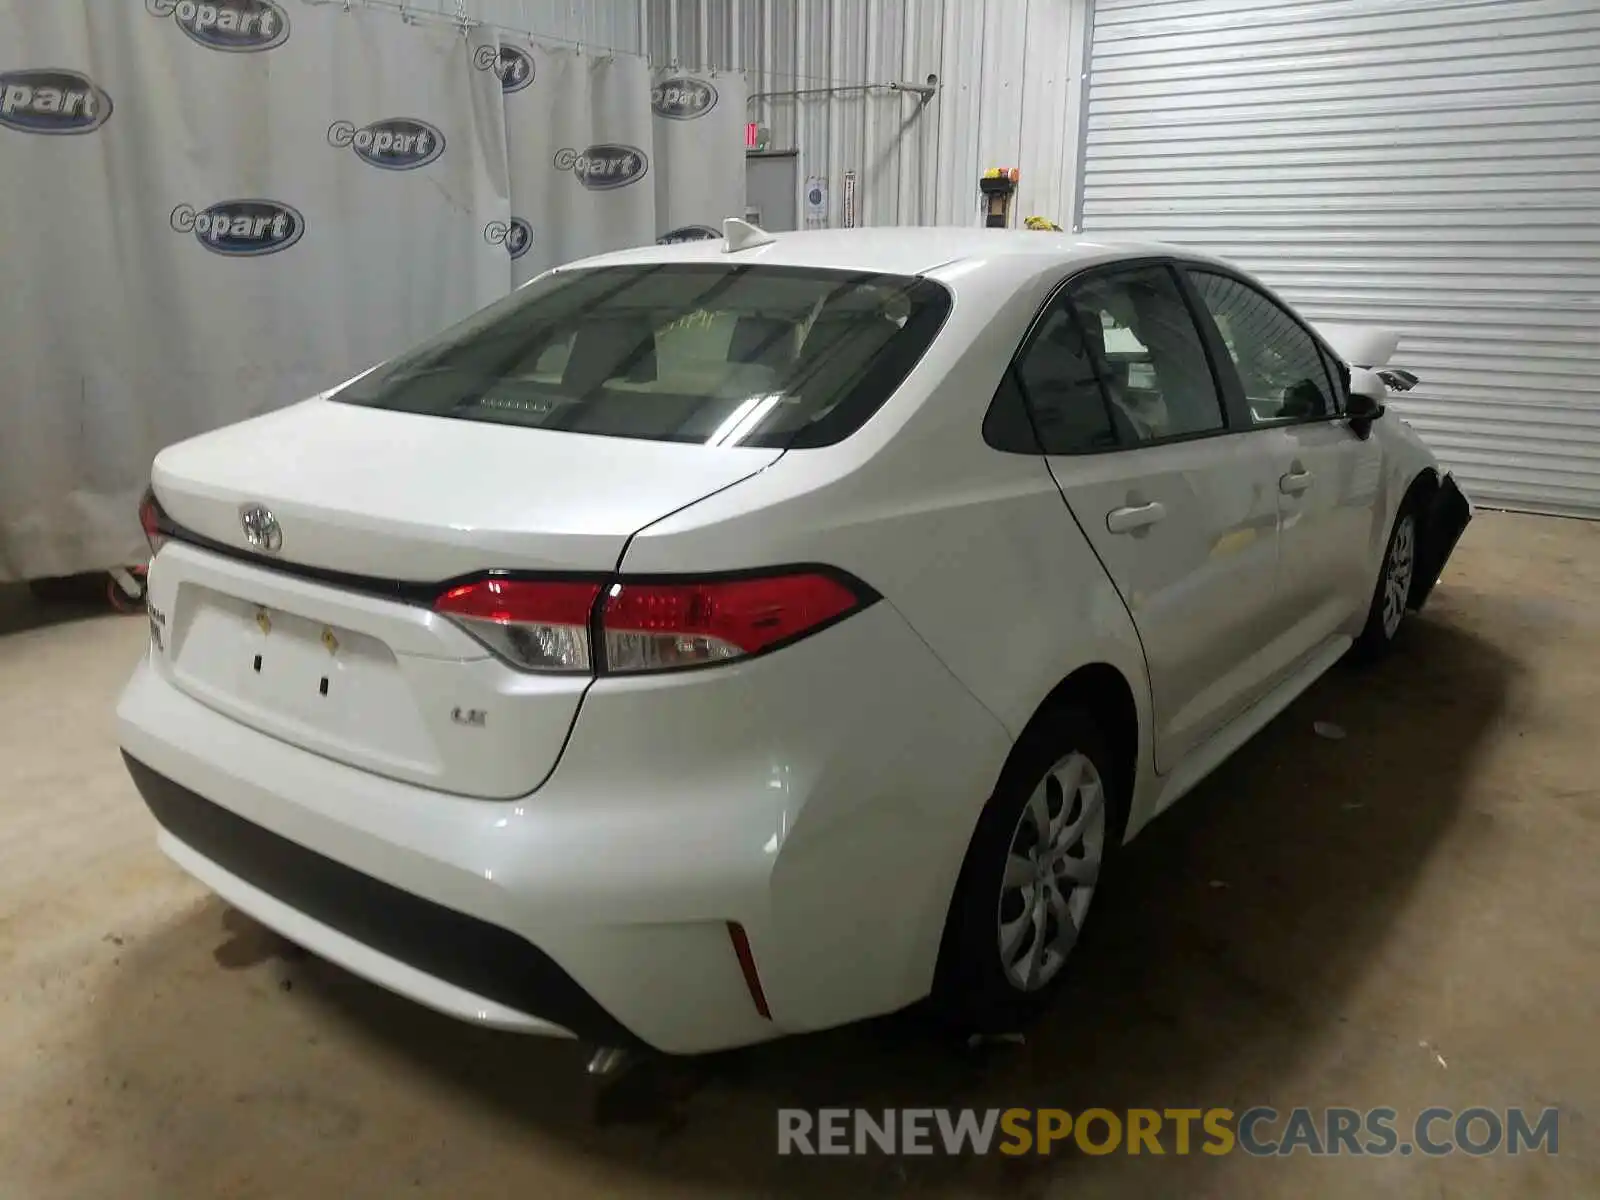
[751, 131]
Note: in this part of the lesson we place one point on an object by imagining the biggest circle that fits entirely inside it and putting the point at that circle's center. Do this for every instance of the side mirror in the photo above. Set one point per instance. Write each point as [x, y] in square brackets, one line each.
[1368, 394]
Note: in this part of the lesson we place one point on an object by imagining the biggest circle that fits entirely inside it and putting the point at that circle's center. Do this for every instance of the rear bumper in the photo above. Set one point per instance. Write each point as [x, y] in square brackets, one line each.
[1446, 518]
[453, 962]
[822, 798]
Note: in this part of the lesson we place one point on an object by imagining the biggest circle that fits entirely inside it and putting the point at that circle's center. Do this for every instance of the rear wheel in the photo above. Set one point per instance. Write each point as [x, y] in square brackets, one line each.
[1031, 874]
[1392, 595]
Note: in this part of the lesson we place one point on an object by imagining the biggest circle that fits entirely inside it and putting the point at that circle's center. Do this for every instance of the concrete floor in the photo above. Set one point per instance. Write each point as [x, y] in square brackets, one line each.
[1405, 917]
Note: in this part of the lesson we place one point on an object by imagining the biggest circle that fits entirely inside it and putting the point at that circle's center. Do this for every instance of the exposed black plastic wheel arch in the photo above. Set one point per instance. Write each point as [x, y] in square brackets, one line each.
[968, 996]
[1102, 690]
[1444, 515]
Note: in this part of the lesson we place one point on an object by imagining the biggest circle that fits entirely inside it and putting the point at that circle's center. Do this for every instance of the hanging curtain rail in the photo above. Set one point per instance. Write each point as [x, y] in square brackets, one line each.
[410, 13]
[413, 15]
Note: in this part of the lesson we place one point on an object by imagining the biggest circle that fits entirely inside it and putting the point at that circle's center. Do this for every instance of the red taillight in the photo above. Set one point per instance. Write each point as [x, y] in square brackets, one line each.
[543, 625]
[657, 626]
[539, 625]
[151, 519]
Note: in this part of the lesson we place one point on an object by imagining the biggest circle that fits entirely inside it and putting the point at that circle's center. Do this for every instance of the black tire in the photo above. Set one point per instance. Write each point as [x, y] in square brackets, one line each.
[66, 589]
[1378, 636]
[46, 590]
[973, 992]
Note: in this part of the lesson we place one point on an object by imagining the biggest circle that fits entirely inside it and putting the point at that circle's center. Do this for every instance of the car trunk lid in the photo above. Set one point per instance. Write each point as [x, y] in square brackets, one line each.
[399, 496]
[330, 643]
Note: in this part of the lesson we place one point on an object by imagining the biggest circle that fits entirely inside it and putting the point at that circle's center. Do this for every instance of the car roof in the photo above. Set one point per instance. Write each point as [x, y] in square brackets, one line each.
[895, 250]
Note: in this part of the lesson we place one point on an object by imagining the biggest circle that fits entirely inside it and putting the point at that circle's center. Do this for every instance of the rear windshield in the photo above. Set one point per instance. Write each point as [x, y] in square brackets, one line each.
[677, 352]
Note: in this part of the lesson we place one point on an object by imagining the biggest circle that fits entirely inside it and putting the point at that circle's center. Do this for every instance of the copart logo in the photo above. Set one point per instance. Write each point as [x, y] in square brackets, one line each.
[682, 98]
[512, 66]
[516, 235]
[604, 167]
[394, 144]
[51, 100]
[237, 26]
[241, 228]
[689, 233]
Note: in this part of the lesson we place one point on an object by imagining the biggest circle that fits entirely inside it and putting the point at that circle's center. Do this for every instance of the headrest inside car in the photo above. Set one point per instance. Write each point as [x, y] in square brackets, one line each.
[610, 349]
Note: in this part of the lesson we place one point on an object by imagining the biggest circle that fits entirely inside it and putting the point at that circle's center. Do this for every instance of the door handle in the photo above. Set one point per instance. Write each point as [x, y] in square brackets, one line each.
[1295, 482]
[1135, 516]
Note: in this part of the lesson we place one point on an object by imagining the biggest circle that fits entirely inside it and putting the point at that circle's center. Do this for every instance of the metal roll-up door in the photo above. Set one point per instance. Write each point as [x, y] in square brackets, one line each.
[1432, 166]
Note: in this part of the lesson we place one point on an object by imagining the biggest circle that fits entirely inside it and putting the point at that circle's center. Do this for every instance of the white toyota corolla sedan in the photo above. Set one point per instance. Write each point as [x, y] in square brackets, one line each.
[716, 641]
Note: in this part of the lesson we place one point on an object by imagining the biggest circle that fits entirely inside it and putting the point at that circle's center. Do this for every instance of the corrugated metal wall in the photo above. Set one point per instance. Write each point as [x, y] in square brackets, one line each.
[889, 138]
[1007, 93]
[1429, 165]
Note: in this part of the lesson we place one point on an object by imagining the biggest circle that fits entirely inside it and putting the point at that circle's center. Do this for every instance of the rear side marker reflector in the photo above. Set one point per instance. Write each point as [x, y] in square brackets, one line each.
[550, 625]
[747, 964]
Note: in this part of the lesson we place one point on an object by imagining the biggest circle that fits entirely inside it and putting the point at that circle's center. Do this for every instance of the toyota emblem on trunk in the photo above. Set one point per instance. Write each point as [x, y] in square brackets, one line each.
[261, 528]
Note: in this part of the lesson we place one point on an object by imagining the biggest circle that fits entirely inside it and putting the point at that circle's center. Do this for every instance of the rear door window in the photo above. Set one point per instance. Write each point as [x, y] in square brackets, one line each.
[1115, 362]
[680, 352]
[1282, 369]
[1152, 362]
[1063, 390]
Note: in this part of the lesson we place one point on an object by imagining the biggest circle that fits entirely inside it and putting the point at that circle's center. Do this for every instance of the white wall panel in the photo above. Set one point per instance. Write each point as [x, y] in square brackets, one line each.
[887, 137]
[1052, 120]
[1007, 94]
[1428, 165]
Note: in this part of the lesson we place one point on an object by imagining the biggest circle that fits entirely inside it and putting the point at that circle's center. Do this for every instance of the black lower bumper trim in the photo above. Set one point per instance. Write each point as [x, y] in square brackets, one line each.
[482, 958]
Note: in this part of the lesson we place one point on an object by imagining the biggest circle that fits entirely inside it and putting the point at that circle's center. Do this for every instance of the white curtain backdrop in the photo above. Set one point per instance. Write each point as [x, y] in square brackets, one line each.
[210, 210]
[693, 188]
[581, 156]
